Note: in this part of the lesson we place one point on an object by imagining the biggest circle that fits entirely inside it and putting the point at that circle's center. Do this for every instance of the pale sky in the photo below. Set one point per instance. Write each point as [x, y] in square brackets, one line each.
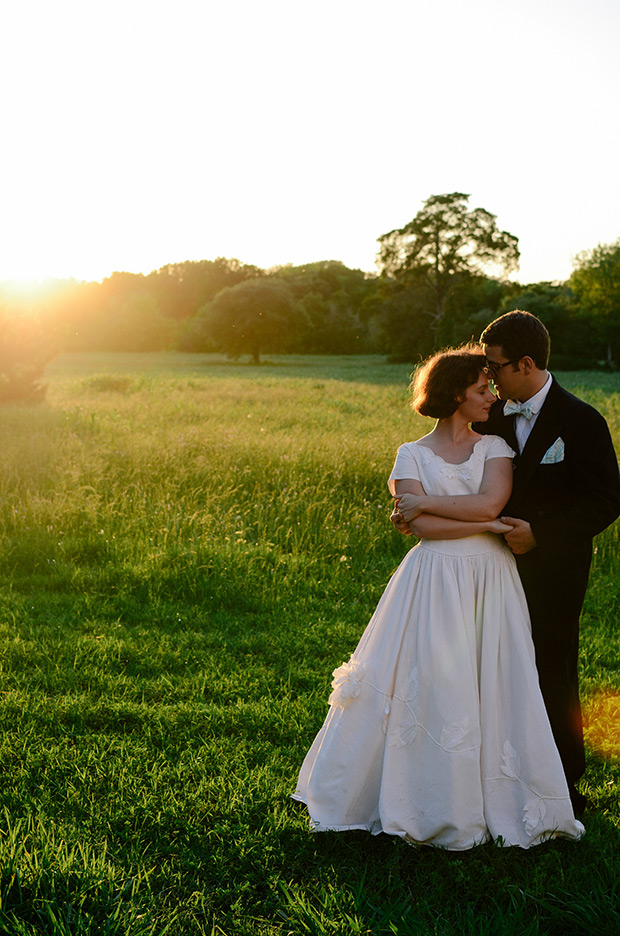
[137, 133]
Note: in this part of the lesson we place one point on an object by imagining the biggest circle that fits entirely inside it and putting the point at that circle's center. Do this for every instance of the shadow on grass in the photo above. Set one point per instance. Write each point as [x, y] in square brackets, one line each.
[374, 369]
[104, 366]
[382, 885]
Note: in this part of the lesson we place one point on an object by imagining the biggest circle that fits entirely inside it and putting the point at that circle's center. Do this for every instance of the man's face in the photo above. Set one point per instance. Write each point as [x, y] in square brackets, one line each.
[505, 374]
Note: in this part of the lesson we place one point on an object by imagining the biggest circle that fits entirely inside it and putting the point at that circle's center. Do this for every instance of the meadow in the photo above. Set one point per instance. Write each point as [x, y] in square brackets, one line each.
[189, 548]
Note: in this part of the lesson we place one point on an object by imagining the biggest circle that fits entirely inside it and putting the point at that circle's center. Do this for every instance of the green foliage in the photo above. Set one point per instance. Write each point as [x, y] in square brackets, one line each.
[443, 243]
[596, 283]
[435, 289]
[248, 318]
[132, 312]
[116, 315]
[401, 310]
[189, 548]
[127, 311]
[332, 300]
[401, 313]
[180, 289]
[573, 344]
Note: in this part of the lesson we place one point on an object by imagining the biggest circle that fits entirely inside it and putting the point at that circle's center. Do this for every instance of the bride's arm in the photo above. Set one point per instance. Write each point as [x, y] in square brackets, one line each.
[427, 526]
[486, 505]
[430, 526]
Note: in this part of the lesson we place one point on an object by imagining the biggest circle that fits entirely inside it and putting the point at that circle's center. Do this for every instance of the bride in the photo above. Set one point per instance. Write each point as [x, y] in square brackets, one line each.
[437, 730]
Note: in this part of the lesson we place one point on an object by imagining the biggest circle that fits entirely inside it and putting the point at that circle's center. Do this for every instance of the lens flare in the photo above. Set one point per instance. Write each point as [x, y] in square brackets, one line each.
[601, 723]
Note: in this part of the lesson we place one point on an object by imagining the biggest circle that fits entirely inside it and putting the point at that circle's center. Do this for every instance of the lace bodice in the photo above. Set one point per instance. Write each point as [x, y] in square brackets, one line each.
[418, 462]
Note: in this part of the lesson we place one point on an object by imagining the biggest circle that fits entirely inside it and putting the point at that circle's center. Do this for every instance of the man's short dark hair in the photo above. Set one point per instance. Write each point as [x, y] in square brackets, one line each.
[519, 334]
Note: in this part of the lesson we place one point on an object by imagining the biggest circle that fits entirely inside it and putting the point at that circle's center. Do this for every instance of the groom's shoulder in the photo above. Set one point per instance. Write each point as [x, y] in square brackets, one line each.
[576, 419]
[570, 403]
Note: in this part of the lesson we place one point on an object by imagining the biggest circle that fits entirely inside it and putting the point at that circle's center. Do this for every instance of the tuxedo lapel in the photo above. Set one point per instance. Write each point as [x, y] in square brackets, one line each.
[542, 436]
[511, 435]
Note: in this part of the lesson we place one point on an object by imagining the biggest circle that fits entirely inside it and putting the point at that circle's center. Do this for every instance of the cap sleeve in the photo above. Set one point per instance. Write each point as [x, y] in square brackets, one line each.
[497, 448]
[405, 467]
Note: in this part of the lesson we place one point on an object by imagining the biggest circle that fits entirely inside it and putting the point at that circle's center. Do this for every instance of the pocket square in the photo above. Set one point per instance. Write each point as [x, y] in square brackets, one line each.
[555, 453]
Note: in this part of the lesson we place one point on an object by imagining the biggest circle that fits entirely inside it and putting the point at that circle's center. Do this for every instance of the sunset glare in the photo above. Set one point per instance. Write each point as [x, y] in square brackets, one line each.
[139, 133]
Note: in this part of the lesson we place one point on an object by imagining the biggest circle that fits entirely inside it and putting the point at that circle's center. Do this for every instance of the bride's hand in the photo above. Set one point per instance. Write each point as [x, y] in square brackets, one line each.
[496, 526]
[410, 506]
[397, 519]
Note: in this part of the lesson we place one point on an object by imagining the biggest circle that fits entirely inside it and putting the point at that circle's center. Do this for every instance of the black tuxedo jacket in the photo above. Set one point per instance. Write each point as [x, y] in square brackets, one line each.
[570, 498]
[566, 485]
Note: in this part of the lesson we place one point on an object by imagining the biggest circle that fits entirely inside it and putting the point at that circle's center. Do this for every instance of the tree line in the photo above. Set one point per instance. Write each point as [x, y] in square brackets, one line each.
[441, 279]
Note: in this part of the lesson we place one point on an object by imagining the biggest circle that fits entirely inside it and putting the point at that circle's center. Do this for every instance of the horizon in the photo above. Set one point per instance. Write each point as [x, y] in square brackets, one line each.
[27, 285]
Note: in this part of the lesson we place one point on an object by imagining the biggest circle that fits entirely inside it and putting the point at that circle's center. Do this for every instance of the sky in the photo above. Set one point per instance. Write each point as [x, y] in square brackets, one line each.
[137, 133]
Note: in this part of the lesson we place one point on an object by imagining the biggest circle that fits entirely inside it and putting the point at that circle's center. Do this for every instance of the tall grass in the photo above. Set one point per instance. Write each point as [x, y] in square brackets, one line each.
[188, 549]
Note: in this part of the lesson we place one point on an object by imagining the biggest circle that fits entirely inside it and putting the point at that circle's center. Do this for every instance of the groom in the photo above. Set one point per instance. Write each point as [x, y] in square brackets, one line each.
[566, 490]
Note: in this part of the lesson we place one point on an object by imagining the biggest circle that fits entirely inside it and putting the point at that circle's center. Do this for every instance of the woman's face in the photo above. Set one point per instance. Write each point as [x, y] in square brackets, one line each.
[478, 400]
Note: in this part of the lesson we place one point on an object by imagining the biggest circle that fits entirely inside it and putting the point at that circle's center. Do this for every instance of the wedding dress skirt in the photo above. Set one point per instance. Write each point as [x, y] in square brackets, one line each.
[437, 731]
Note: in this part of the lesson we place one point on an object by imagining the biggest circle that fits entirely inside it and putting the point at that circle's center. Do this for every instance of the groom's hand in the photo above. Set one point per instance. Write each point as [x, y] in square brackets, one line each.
[520, 539]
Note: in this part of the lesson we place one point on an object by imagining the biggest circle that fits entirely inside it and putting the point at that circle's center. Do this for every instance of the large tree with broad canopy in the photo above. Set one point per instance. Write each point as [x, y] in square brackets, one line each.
[444, 244]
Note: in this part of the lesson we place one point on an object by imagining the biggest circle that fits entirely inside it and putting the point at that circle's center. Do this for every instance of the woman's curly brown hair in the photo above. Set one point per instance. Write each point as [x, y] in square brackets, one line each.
[440, 382]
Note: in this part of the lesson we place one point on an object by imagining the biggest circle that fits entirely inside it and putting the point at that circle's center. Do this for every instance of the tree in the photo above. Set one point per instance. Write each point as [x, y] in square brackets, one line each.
[330, 297]
[100, 318]
[595, 281]
[573, 347]
[399, 310]
[136, 324]
[442, 245]
[132, 312]
[182, 288]
[254, 316]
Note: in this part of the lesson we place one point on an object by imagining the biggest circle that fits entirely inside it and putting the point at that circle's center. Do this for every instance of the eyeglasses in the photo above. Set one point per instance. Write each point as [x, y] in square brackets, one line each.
[492, 368]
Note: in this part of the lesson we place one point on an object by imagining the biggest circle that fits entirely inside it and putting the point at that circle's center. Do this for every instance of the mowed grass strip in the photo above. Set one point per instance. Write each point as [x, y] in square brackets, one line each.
[189, 547]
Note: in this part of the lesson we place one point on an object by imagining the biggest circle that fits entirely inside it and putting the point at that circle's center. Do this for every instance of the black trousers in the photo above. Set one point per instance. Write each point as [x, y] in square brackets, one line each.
[555, 587]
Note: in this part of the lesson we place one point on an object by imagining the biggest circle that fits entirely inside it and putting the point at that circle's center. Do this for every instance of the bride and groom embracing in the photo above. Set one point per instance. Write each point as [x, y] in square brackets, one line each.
[457, 719]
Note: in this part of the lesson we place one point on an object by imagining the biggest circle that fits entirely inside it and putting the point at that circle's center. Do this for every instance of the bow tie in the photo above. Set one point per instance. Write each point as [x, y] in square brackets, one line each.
[519, 409]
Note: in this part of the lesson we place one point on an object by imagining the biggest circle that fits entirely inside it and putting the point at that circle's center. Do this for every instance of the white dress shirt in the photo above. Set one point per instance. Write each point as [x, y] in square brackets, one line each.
[524, 426]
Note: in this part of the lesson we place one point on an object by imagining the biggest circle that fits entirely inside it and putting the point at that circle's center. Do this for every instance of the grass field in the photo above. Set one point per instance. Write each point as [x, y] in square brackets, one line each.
[189, 548]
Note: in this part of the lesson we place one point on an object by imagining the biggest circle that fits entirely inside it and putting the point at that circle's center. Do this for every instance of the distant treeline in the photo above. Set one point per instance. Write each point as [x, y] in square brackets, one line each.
[333, 310]
[430, 290]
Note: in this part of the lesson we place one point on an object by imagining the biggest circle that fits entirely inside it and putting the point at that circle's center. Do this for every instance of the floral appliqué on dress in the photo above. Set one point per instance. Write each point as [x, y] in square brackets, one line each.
[452, 735]
[511, 762]
[533, 814]
[534, 810]
[347, 683]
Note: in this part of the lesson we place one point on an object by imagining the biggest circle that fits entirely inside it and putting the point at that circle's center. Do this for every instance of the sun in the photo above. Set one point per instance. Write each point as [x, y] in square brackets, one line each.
[24, 287]
[26, 295]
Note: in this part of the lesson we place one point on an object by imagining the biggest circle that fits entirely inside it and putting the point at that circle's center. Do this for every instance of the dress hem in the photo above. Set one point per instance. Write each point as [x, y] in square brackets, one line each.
[499, 842]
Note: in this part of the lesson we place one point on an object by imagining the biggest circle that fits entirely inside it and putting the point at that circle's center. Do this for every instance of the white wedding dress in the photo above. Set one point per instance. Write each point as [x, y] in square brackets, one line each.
[437, 731]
